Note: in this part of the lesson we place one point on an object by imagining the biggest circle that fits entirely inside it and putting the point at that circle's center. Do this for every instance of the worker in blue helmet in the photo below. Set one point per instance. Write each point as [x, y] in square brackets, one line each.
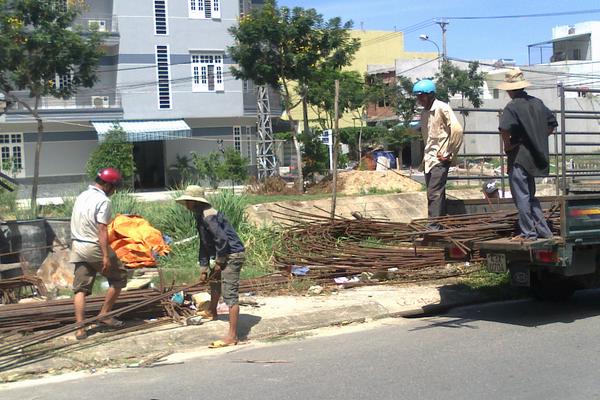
[443, 136]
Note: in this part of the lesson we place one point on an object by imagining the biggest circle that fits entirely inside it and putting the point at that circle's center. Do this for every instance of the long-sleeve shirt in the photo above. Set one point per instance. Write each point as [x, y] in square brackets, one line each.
[442, 133]
[218, 239]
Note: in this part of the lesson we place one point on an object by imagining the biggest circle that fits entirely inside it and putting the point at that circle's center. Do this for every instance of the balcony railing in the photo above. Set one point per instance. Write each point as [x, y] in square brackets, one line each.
[101, 23]
[91, 101]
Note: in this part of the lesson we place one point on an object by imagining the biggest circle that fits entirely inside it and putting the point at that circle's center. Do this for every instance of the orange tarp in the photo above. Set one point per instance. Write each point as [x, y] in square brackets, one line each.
[135, 241]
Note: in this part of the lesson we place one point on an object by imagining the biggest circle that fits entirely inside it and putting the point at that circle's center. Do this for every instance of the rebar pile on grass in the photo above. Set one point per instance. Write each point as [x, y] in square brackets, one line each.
[341, 246]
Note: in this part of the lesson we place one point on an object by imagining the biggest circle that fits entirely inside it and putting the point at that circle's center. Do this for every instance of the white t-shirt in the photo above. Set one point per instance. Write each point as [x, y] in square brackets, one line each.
[92, 207]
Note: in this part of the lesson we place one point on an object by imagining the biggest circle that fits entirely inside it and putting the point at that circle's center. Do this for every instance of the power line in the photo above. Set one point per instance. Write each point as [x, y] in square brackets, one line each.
[592, 11]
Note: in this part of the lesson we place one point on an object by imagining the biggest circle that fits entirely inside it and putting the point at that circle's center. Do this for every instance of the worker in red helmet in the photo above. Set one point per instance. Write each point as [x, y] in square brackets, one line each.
[90, 250]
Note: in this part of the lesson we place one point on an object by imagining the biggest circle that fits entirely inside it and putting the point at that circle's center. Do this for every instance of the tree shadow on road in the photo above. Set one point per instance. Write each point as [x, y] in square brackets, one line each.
[525, 312]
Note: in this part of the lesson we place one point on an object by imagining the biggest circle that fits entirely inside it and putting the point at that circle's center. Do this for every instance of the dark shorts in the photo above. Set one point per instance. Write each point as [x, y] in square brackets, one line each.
[229, 286]
[85, 275]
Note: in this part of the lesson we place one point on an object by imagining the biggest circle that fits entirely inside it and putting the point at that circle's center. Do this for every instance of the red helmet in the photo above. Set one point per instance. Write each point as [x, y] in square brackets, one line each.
[110, 175]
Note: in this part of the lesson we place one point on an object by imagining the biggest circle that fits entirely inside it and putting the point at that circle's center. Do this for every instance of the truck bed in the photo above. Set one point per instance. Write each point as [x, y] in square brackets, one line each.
[505, 244]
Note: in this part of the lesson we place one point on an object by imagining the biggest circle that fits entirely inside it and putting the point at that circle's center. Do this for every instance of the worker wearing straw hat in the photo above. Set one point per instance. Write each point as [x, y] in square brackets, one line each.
[218, 240]
[525, 125]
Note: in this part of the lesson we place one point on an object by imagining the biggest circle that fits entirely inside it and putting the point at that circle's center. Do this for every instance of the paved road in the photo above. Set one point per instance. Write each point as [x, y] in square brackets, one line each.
[514, 350]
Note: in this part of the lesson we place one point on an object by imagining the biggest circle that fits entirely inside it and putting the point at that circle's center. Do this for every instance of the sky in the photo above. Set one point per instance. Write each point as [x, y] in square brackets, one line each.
[483, 39]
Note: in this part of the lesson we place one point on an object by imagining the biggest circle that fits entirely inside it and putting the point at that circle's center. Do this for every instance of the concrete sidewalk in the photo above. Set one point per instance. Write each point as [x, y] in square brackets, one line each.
[274, 316]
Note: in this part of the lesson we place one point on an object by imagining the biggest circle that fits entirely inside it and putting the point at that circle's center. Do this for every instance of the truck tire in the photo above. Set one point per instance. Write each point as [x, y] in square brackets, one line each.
[552, 287]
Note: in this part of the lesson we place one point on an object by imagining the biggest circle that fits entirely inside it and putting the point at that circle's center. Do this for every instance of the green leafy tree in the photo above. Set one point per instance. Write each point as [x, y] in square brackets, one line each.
[453, 80]
[114, 151]
[235, 167]
[37, 45]
[277, 45]
[208, 167]
[320, 96]
[315, 154]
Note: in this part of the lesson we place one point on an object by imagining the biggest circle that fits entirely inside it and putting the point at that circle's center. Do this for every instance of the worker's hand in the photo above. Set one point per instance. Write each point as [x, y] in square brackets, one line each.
[445, 157]
[106, 265]
[203, 277]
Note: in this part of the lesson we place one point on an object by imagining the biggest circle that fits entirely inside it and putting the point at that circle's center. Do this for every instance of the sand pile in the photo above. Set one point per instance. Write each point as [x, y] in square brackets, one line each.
[362, 182]
[355, 182]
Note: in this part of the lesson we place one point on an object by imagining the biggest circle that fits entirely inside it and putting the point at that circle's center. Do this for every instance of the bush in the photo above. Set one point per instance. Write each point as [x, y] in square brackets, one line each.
[116, 152]
[216, 167]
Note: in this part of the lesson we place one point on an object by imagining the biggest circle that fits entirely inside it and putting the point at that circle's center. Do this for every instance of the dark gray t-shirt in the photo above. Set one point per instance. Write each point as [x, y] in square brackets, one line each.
[528, 119]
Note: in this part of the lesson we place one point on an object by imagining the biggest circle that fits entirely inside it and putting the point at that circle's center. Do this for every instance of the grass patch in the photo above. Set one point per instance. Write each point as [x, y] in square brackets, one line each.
[494, 285]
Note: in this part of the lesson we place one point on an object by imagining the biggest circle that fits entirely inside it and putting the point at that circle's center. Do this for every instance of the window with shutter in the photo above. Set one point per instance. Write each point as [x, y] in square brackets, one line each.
[160, 17]
[207, 73]
[205, 9]
[163, 76]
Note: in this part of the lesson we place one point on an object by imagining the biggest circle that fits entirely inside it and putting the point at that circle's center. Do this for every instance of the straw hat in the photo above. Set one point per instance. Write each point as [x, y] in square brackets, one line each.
[193, 193]
[514, 80]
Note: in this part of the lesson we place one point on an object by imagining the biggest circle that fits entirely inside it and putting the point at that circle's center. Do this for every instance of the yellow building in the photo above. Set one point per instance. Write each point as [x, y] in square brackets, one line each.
[377, 48]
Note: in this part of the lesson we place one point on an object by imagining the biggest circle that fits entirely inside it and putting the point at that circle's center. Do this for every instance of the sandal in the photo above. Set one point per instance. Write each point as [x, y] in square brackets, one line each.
[81, 336]
[217, 344]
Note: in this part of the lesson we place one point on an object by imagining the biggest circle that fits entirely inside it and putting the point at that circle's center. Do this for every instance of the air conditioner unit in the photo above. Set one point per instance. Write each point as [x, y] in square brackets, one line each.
[100, 101]
[98, 24]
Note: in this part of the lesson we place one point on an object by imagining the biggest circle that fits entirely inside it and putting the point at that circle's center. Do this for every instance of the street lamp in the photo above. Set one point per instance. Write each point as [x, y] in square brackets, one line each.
[425, 38]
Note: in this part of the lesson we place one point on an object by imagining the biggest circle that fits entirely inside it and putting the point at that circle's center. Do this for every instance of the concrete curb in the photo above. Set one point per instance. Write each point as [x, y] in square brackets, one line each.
[130, 348]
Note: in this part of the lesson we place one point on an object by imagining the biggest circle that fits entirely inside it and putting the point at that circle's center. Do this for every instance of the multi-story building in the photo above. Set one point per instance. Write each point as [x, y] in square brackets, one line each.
[165, 78]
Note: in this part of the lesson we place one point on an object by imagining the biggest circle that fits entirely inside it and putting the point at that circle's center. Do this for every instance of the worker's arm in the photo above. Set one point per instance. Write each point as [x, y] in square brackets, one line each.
[455, 138]
[215, 226]
[506, 140]
[552, 123]
[103, 218]
[203, 253]
[103, 240]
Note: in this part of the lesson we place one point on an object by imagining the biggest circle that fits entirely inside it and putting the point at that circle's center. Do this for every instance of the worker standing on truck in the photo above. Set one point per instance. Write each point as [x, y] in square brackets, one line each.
[443, 136]
[90, 250]
[218, 240]
[525, 125]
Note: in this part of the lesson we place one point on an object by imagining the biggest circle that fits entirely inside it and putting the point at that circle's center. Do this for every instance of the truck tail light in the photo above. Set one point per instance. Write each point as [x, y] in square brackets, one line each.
[546, 256]
[456, 253]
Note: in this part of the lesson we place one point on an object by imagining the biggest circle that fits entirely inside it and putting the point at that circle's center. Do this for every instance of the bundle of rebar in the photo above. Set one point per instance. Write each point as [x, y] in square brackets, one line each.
[342, 246]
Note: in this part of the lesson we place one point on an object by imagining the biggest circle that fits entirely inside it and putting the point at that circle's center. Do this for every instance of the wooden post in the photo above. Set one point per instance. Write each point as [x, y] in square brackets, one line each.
[335, 147]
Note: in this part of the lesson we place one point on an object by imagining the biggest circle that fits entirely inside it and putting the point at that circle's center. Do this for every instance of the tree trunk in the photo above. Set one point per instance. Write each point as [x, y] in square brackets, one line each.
[294, 127]
[305, 115]
[300, 178]
[36, 165]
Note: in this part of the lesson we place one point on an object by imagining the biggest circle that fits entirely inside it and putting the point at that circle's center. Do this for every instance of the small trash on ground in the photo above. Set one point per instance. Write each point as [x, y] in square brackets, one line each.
[298, 270]
[315, 290]
[178, 298]
[194, 321]
[222, 308]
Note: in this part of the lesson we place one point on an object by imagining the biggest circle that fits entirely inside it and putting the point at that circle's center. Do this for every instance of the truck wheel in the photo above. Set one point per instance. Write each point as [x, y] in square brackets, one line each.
[550, 287]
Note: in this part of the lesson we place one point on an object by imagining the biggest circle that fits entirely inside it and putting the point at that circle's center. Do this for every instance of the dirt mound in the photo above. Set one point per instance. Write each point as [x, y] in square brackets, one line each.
[362, 182]
[353, 182]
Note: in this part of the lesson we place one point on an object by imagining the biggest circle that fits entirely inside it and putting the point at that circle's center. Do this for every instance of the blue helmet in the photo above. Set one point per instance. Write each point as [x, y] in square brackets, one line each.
[424, 86]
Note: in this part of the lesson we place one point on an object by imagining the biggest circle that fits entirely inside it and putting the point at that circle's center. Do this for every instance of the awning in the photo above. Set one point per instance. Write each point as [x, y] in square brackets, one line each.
[146, 131]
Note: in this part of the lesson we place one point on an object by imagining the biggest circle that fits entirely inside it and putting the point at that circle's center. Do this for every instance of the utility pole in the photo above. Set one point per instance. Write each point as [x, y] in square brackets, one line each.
[335, 147]
[443, 24]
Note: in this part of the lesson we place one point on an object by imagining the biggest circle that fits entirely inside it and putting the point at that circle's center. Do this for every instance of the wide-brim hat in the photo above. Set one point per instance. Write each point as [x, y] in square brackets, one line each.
[193, 193]
[514, 80]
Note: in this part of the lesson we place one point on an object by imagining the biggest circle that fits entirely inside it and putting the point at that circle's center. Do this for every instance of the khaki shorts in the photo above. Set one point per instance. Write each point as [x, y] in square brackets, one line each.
[85, 274]
[229, 286]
